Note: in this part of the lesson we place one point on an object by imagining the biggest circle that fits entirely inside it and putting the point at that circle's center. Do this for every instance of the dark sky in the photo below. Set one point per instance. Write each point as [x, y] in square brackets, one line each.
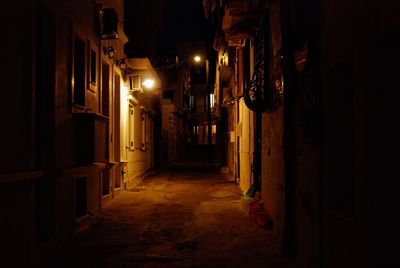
[184, 19]
[155, 26]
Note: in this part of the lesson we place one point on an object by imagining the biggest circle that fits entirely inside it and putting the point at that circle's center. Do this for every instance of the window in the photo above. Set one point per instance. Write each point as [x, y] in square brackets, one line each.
[93, 65]
[136, 128]
[195, 130]
[214, 129]
[212, 101]
[78, 84]
[214, 133]
[91, 68]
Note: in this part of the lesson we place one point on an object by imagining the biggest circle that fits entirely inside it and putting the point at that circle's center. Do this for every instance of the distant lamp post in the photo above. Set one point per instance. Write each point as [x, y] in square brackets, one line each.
[197, 58]
[209, 102]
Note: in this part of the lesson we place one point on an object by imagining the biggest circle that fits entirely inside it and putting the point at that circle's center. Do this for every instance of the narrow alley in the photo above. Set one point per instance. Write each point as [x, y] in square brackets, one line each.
[173, 219]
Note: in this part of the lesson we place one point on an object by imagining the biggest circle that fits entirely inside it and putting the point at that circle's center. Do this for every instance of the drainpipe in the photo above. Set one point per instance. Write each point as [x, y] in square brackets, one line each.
[289, 229]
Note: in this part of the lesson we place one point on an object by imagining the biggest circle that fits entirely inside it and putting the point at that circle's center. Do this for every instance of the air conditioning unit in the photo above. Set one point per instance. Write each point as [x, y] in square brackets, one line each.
[237, 42]
[106, 23]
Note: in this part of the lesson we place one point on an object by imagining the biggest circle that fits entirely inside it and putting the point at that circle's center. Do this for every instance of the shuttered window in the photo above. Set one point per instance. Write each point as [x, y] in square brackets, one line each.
[131, 128]
[137, 124]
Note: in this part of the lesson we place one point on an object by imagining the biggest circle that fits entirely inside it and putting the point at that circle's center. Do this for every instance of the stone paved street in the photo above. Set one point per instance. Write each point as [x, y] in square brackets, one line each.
[173, 219]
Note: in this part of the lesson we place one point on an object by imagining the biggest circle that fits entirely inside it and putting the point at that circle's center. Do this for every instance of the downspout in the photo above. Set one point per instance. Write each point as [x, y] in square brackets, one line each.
[289, 234]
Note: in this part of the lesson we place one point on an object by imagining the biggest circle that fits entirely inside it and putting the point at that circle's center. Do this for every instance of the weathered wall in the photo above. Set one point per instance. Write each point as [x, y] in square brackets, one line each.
[168, 138]
[17, 134]
[17, 98]
[246, 150]
[272, 175]
[137, 159]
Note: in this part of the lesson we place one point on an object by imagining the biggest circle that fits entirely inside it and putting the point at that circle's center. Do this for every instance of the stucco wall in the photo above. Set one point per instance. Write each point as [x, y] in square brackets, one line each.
[370, 56]
[246, 150]
[17, 98]
[272, 174]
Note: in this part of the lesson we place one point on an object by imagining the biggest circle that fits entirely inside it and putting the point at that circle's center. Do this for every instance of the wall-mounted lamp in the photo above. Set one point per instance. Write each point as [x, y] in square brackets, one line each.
[110, 51]
[148, 83]
[121, 63]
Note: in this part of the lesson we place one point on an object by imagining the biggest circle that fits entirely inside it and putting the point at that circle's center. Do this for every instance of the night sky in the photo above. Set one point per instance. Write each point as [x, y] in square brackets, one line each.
[156, 32]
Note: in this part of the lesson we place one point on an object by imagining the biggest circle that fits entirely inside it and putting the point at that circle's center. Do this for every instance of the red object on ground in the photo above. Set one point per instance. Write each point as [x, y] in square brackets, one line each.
[258, 215]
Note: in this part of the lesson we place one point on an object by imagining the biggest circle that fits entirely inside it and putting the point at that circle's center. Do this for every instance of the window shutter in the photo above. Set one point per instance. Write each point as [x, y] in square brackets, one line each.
[131, 127]
[137, 125]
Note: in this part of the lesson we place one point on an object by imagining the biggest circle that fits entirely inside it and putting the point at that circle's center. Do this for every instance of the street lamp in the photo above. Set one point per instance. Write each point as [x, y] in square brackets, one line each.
[197, 58]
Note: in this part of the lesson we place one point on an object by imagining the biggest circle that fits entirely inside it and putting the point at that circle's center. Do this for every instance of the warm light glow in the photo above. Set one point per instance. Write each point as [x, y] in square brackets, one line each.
[214, 129]
[148, 83]
[212, 100]
[124, 92]
[197, 58]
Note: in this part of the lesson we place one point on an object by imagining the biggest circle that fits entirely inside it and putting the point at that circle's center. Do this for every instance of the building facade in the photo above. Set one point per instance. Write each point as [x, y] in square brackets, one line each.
[76, 133]
[309, 72]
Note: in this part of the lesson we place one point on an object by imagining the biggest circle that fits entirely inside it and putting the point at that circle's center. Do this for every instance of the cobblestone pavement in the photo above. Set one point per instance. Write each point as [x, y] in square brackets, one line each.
[173, 219]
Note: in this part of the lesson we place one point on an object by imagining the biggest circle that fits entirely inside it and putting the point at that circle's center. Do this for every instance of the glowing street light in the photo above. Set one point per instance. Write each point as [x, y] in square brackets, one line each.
[148, 83]
[197, 58]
